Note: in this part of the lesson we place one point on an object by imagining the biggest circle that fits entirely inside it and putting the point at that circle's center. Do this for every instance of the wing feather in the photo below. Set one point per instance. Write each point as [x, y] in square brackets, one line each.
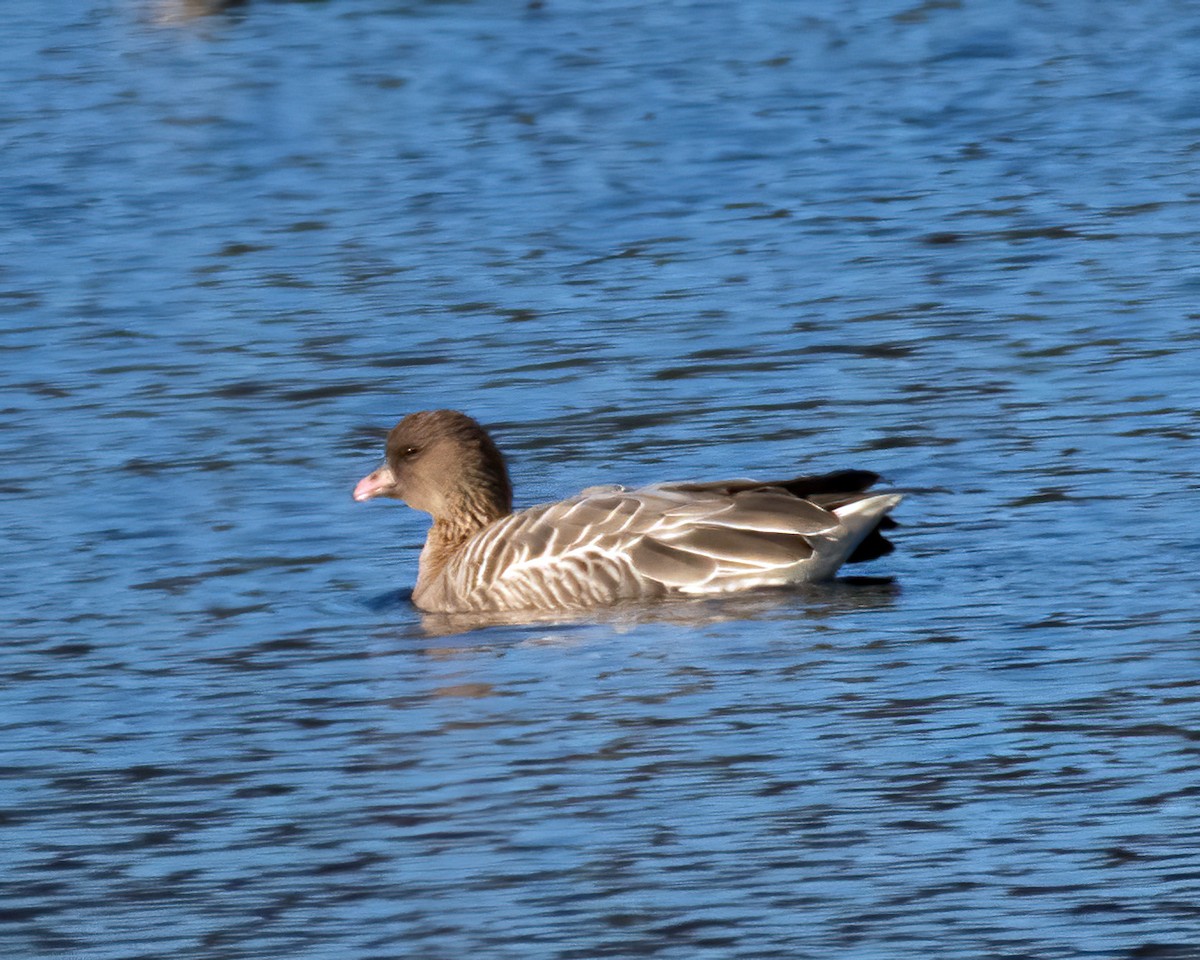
[744, 547]
[780, 512]
[669, 565]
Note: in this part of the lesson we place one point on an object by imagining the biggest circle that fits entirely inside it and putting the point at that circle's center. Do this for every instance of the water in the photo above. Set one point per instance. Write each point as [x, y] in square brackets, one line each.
[954, 243]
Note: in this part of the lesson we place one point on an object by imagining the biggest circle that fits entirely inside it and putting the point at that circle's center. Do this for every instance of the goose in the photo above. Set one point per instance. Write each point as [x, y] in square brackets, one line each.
[608, 544]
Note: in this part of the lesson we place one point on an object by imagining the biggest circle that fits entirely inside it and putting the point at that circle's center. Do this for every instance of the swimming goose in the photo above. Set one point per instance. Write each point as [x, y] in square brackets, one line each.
[609, 544]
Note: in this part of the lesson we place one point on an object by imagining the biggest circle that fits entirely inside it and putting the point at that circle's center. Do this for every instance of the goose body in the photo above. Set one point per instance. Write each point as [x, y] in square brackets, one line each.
[610, 544]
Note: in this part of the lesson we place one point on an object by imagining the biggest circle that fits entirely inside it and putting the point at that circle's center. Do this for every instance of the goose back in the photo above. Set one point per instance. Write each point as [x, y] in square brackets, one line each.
[610, 544]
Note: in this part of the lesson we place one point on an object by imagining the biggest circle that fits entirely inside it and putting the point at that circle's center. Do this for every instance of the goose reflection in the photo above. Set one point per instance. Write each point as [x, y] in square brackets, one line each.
[807, 602]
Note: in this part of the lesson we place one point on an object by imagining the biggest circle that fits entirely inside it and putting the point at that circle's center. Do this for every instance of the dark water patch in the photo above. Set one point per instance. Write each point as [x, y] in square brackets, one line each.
[894, 442]
[406, 360]
[883, 351]
[176, 584]
[921, 12]
[226, 612]
[1045, 495]
[312, 394]
[471, 307]
[566, 363]
[69, 650]
[710, 369]
[239, 390]
[1161, 951]
[240, 249]
[19, 300]
[284, 281]
[151, 468]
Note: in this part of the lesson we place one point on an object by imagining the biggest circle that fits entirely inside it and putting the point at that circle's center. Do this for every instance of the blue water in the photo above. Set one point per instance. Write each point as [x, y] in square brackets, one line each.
[952, 242]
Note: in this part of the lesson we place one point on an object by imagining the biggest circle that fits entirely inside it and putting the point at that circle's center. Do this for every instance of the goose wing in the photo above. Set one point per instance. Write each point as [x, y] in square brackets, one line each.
[610, 544]
[565, 554]
[832, 491]
[735, 534]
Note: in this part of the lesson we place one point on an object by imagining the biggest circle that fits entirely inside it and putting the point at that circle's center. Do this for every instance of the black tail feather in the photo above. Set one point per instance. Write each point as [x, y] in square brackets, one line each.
[875, 545]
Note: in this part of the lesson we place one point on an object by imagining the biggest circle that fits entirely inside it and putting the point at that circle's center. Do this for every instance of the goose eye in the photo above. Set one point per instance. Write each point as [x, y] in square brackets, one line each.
[409, 452]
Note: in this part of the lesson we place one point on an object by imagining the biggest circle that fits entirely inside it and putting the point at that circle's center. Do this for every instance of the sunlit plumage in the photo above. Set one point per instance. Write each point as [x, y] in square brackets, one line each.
[609, 544]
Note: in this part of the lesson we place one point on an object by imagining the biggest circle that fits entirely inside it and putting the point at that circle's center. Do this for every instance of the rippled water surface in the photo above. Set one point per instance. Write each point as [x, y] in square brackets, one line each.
[952, 242]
